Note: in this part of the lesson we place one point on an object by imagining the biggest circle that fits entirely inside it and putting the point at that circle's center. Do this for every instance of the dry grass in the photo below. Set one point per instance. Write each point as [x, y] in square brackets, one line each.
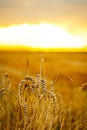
[35, 102]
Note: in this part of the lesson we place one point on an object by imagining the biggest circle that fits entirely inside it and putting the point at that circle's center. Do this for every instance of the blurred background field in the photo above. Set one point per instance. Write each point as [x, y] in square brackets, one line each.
[65, 66]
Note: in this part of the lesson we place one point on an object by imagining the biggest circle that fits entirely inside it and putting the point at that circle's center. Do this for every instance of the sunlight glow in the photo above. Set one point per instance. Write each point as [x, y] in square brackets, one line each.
[39, 36]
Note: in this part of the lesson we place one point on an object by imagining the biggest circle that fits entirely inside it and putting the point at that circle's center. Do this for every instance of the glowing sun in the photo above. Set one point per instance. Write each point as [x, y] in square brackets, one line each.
[39, 36]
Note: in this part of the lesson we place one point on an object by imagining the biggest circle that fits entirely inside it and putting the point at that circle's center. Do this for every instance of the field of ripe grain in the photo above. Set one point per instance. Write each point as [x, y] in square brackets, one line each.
[43, 91]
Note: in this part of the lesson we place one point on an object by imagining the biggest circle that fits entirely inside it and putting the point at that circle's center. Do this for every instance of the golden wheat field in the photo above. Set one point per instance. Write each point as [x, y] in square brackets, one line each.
[43, 91]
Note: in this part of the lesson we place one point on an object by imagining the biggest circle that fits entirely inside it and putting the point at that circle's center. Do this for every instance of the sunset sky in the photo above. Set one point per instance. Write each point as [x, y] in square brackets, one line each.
[43, 23]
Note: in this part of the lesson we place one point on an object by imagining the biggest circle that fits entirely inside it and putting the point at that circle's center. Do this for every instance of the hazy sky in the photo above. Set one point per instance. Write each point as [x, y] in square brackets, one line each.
[69, 13]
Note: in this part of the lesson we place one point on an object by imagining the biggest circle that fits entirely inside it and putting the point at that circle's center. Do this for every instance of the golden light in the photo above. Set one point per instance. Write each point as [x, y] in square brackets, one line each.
[39, 36]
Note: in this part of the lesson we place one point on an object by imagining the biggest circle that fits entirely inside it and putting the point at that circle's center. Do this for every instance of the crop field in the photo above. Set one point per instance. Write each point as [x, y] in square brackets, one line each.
[43, 90]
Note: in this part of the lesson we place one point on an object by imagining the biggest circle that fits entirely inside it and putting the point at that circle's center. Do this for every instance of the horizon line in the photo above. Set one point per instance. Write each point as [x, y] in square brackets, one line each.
[40, 49]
